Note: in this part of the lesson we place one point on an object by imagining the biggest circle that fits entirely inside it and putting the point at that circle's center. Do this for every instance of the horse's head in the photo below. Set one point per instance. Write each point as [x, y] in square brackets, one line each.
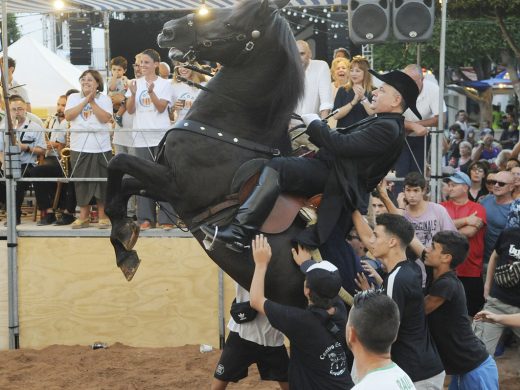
[224, 35]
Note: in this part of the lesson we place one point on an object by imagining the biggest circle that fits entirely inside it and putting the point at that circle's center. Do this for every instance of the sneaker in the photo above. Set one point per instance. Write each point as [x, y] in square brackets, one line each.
[65, 219]
[146, 225]
[167, 226]
[104, 223]
[80, 224]
[119, 120]
[48, 219]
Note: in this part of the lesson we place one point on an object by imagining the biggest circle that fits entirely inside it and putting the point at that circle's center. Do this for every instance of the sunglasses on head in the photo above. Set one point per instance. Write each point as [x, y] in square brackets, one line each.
[495, 182]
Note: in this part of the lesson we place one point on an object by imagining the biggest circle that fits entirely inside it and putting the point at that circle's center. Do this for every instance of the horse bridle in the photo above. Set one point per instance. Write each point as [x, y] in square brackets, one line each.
[191, 55]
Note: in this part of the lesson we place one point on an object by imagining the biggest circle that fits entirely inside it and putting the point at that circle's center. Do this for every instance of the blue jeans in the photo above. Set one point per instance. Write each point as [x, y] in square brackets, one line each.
[484, 377]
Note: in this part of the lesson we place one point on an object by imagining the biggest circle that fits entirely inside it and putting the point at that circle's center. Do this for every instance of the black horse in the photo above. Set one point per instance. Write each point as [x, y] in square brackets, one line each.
[250, 99]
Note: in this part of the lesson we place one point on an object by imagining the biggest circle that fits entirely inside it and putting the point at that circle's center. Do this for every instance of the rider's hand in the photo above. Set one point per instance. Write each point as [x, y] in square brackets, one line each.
[308, 118]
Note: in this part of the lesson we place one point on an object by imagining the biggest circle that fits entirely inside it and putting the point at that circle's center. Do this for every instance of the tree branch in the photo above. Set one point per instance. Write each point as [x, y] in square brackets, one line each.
[505, 32]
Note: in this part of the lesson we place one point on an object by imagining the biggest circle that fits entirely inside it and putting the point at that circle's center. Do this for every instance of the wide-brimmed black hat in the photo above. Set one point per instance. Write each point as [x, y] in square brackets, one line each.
[404, 85]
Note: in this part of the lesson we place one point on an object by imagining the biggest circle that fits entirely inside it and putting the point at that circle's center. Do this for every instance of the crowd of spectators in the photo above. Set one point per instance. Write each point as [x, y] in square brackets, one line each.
[440, 264]
[104, 117]
[451, 268]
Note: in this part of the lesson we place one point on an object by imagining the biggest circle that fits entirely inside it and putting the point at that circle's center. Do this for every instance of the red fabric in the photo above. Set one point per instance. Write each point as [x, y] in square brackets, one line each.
[472, 266]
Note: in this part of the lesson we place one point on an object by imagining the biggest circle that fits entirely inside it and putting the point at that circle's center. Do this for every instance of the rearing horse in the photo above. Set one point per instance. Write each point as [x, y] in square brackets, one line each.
[254, 94]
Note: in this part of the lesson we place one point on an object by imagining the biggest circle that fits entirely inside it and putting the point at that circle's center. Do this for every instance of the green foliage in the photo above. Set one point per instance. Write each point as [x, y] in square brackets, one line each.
[476, 8]
[468, 43]
[13, 33]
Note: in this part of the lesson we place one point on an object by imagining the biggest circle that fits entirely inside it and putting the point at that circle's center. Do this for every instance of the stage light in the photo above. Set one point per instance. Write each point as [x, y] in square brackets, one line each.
[203, 10]
[58, 4]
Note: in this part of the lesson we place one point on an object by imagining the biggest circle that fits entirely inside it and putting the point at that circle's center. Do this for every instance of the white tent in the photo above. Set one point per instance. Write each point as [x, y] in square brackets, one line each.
[46, 76]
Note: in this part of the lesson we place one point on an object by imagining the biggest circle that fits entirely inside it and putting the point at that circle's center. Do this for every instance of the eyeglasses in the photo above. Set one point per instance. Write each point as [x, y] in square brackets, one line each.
[479, 170]
[496, 182]
[17, 109]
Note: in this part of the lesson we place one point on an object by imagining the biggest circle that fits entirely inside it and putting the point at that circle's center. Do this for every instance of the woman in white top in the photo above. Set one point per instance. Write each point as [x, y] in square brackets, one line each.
[183, 94]
[89, 113]
[148, 99]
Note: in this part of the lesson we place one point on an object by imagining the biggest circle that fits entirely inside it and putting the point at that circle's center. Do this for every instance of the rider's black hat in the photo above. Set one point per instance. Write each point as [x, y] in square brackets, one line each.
[404, 85]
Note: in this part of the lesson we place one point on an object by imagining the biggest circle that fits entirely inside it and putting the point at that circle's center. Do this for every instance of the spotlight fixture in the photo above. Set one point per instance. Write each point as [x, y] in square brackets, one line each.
[203, 10]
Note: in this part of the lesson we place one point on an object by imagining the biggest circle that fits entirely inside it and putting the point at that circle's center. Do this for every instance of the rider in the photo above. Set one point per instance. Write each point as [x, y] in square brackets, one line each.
[350, 161]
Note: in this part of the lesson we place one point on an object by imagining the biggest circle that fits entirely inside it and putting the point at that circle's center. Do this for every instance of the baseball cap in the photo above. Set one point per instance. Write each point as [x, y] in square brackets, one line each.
[323, 278]
[460, 178]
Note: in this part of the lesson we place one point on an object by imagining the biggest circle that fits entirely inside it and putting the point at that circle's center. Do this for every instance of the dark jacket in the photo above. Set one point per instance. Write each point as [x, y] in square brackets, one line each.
[359, 160]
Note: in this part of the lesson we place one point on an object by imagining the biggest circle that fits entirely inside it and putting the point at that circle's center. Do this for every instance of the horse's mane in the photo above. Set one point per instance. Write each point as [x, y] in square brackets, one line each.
[286, 93]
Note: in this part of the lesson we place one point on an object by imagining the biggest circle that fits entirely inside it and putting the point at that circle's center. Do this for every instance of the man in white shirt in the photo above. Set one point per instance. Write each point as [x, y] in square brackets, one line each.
[412, 157]
[317, 96]
[372, 328]
[31, 142]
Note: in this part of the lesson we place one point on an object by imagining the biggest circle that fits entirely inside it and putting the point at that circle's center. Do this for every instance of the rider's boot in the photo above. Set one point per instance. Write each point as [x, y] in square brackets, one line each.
[251, 213]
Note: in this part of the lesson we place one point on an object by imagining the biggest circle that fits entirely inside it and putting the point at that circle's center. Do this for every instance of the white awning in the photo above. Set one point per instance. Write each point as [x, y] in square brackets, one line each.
[47, 6]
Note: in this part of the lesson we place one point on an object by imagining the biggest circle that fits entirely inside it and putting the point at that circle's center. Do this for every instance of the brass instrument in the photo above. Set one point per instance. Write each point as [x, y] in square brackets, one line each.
[65, 164]
[65, 160]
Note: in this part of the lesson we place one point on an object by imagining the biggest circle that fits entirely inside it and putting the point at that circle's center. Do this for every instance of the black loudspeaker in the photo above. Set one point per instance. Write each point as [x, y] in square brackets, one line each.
[413, 19]
[369, 21]
[80, 40]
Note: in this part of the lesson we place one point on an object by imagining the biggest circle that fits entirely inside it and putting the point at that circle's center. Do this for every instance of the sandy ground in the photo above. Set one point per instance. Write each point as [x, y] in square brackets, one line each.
[122, 367]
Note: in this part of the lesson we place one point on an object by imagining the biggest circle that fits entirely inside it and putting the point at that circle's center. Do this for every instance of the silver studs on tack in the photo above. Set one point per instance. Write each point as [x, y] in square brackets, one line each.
[202, 128]
[255, 34]
[235, 139]
[185, 124]
[219, 134]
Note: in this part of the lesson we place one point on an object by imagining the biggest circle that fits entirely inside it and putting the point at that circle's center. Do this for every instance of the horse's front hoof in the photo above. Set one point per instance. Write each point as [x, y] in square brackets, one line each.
[127, 234]
[129, 264]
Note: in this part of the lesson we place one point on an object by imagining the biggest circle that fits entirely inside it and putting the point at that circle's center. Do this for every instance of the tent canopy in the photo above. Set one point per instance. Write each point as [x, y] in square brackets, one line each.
[46, 75]
[47, 6]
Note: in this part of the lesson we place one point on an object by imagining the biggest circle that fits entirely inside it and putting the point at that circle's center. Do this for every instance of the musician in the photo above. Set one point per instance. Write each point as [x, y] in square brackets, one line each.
[350, 162]
[51, 166]
[31, 142]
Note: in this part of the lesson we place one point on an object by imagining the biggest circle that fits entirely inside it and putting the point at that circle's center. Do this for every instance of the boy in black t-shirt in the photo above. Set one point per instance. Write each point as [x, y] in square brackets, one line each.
[317, 334]
[414, 350]
[464, 356]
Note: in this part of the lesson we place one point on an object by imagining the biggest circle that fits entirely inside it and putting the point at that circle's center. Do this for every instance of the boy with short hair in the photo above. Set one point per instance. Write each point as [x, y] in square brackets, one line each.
[117, 87]
[372, 328]
[464, 356]
[317, 334]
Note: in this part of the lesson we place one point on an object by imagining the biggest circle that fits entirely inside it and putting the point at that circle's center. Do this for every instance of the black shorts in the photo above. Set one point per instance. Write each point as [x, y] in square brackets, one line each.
[238, 354]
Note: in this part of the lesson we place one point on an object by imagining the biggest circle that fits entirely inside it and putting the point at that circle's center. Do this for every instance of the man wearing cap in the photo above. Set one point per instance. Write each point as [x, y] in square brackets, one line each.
[346, 166]
[470, 220]
[317, 333]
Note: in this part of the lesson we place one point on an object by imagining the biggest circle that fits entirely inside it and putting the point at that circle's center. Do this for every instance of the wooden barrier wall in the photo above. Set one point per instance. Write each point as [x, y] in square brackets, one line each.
[71, 292]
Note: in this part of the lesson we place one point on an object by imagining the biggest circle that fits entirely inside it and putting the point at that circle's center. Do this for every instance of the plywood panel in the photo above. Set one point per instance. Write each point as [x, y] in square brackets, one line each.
[71, 292]
[4, 302]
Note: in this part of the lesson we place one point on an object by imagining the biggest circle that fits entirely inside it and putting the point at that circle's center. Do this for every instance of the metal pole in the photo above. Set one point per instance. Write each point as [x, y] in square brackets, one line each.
[436, 181]
[106, 24]
[221, 325]
[12, 170]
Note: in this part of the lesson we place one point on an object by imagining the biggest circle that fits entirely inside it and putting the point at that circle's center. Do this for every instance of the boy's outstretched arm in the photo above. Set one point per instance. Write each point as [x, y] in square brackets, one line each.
[261, 256]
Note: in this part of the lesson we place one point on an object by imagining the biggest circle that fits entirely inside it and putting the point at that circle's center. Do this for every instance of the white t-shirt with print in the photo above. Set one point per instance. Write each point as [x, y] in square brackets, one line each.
[188, 94]
[391, 377]
[96, 138]
[146, 116]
